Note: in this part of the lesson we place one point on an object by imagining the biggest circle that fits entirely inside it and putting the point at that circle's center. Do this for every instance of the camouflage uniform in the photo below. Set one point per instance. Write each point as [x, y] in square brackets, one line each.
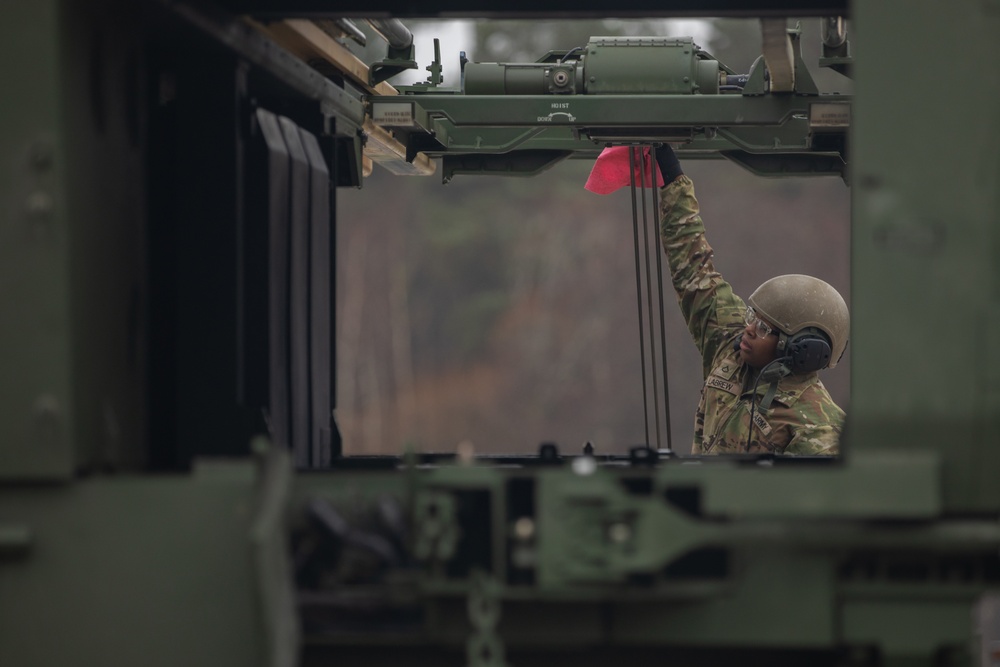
[802, 419]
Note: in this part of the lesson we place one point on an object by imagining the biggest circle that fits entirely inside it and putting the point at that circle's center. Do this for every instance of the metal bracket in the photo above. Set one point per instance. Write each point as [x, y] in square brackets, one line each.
[399, 60]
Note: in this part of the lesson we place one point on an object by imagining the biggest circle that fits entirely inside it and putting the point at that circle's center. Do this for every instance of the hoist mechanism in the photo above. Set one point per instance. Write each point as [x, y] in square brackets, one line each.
[522, 118]
[608, 66]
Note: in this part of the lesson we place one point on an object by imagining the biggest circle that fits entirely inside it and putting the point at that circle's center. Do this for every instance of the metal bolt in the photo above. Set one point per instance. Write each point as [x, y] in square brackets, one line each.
[619, 533]
[583, 466]
[524, 528]
[465, 453]
[38, 204]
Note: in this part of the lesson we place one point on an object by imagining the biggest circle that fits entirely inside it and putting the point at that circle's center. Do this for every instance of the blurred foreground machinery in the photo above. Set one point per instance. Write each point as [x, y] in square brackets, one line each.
[167, 254]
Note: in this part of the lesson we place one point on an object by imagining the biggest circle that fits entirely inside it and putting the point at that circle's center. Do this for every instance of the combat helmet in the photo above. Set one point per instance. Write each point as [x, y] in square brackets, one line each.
[800, 306]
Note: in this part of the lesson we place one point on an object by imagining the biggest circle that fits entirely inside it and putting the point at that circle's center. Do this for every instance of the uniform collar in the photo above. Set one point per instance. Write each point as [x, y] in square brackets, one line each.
[789, 387]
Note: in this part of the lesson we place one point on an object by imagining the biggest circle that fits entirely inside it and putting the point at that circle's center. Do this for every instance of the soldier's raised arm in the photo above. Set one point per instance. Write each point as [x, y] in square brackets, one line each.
[714, 314]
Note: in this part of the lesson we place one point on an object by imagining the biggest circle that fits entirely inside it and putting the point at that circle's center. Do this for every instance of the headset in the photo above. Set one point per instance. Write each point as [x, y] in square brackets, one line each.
[806, 350]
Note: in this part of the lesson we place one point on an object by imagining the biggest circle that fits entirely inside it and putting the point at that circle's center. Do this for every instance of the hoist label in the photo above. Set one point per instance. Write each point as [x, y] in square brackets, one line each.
[393, 114]
[829, 115]
[565, 116]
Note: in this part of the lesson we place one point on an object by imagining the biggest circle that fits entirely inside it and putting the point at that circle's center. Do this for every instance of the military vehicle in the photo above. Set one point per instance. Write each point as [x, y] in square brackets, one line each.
[173, 488]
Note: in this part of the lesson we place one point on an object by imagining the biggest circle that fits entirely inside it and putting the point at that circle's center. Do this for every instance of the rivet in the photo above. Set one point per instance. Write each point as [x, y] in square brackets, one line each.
[524, 528]
[619, 533]
[38, 204]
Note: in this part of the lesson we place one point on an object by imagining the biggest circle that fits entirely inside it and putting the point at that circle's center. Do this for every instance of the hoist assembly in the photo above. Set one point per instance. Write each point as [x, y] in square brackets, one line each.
[605, 66]
[520, 118]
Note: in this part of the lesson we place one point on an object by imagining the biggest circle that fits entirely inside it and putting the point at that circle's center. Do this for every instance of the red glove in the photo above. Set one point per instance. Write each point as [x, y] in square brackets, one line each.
[611, 171]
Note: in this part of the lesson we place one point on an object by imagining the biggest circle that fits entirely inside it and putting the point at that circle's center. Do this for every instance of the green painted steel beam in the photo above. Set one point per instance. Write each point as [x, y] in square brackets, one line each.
[134, 571]
[925, 237]
[606, 111]
[602, 539]
[769, 135]
[37, 415]
[789, 137]
[873, 486]
[195, 569]
[536, 10]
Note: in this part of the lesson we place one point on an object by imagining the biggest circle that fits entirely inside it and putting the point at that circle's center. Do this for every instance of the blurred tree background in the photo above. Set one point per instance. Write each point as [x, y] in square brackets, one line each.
[502, 311]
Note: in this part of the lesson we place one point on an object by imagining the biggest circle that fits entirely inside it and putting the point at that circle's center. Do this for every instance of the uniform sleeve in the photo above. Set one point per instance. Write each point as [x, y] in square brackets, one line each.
[815, 441]
[817, 432]
[712, 312]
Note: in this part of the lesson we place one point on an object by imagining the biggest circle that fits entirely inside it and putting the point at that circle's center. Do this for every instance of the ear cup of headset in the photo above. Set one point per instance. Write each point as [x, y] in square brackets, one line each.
[808, 350]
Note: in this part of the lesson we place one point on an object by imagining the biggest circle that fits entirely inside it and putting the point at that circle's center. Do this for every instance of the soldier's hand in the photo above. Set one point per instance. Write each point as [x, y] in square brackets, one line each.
[668, 163]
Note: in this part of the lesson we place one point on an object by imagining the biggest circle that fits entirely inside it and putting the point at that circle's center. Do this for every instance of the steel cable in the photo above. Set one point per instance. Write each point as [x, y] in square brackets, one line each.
[638, 293]
[659, 283]
[642, 260]
[649, 290]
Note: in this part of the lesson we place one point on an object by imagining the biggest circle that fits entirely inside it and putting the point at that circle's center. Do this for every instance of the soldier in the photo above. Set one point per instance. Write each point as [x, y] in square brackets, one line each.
[760, 358]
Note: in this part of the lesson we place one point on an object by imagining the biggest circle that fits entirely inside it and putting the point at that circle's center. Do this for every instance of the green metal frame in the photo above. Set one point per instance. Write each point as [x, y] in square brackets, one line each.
[877, 558]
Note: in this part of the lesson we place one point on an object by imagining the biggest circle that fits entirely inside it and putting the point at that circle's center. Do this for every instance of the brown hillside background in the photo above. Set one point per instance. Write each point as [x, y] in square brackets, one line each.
[502, 311]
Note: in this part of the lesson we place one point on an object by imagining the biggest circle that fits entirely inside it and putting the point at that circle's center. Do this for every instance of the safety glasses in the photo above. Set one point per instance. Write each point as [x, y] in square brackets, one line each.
[760, 327]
